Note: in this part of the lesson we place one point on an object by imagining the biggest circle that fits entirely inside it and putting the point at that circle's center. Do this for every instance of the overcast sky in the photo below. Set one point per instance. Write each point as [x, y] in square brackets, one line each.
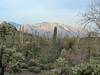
[34, 11]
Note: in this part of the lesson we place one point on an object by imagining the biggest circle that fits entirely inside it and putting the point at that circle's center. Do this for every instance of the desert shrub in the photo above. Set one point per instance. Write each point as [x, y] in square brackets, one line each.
[60, 66]
[24, 66]
[60, 62]
[46, 66]
[16, 68]
[49, 73]
[86, 69]
[33, 62]
[63, 53]
[44, 60]
[34, 69]
[12, 60]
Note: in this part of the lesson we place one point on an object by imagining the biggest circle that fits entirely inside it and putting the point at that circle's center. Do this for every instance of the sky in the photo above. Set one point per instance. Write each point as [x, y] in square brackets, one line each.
[36, 11]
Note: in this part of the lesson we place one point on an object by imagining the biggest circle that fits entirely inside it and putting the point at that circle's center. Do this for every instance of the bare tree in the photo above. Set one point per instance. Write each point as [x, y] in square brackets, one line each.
[92, 15]
[91, 19]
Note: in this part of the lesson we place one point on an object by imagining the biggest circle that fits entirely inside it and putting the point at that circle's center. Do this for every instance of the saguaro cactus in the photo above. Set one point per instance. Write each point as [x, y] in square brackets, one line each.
[55, 33]
[21, 35]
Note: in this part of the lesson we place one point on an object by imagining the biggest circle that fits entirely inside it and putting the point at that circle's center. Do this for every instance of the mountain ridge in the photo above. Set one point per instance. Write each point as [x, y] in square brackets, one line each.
[48, 28]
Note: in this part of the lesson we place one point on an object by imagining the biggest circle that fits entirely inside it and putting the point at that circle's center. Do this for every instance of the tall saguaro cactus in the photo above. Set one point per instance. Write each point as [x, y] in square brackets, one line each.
[55, 33]
[21, 35]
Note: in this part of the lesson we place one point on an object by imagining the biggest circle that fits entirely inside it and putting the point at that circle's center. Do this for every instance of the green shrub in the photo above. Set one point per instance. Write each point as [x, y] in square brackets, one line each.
[24, 66]
[44, 60]
[49, 73]
[60, 66]
[46, 66]
[34, 69]
[33, 62]
[86, 69]
[16, 68]
[60, 62]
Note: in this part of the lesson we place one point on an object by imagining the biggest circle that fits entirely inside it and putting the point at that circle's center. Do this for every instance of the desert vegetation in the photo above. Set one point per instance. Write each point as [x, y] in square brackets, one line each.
[24, 53]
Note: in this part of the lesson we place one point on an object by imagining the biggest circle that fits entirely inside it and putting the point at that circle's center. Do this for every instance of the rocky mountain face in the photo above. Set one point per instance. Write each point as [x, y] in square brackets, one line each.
[46, 28]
